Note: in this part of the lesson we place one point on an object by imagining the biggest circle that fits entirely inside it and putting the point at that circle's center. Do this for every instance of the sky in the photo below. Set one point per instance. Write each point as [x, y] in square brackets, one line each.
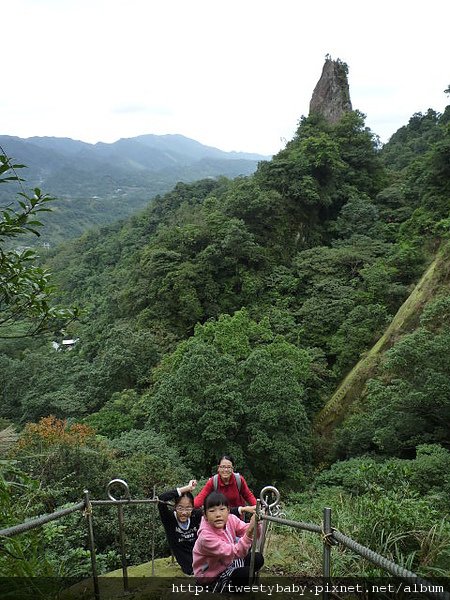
[233, 74]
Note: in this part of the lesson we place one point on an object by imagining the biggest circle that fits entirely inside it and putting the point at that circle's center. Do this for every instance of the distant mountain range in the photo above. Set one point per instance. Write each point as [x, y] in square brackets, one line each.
[100, 183]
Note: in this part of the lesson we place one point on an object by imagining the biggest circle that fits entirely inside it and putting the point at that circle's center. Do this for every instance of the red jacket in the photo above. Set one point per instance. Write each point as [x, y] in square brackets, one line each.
[235, 498]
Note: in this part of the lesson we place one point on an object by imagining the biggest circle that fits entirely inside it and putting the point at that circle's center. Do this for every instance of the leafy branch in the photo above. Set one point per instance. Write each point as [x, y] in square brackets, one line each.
[26, 293]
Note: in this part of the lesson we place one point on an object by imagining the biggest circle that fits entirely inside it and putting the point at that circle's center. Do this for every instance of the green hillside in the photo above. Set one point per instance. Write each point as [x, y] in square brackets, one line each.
[297, 318]
[98, 184]
[434, 284]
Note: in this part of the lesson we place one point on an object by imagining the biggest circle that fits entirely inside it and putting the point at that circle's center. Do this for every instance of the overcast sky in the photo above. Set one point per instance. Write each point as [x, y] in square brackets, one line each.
[234, 74]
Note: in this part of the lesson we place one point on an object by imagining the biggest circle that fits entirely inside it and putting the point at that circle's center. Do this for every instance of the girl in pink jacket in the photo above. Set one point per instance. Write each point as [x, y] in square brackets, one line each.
[221, 558]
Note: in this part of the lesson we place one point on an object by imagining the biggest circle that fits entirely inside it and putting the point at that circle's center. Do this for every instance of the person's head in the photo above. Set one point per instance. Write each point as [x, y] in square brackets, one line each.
[225, 467]
[216, 510]
[184, 506]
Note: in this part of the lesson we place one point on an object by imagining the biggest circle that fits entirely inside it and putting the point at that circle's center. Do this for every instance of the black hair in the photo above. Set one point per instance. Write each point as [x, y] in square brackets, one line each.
[188, 495]
[226, 457]
[214, 499]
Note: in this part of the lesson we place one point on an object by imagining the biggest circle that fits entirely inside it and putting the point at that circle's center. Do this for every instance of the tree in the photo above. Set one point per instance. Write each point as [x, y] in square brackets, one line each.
[118, 415]
[234, 387]
[319, 170]
[25, 290]
[65, 458]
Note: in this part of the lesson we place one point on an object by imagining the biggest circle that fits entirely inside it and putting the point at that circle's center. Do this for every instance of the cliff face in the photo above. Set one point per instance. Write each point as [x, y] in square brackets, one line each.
[331, 96]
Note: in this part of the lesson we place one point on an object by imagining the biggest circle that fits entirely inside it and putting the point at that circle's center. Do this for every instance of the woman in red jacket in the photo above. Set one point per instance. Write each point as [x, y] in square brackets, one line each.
[234, 487]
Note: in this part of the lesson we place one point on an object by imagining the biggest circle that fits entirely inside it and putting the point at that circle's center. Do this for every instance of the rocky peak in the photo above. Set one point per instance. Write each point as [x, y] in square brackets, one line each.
[331, 96]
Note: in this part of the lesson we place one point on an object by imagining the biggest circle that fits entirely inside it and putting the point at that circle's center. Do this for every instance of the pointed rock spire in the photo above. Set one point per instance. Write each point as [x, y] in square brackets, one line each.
[331, 96]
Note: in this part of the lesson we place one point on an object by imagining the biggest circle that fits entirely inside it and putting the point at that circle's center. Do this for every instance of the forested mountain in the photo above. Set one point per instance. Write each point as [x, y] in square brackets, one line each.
[223, 317]
[96, 184]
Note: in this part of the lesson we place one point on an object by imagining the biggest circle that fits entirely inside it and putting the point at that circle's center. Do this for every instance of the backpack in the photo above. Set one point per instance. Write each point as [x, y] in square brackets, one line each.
[216, 481]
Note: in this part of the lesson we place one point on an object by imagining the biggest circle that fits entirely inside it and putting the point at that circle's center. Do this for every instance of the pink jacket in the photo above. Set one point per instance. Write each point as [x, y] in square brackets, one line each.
[215, 549]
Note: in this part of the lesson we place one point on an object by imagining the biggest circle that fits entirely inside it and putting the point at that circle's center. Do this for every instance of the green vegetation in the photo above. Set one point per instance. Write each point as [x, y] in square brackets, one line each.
[245, 391]
[298, 318]
[396, 507]
[98, 184]
[26, 293]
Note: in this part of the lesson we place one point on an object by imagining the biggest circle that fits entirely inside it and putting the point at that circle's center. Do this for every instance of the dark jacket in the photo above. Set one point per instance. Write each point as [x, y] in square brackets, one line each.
[181, 541]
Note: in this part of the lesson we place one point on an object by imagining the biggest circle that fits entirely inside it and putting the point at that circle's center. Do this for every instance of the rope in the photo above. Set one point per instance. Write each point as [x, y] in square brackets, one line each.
[327, 538]
[87, 510]
[385, 563]
[372, 556]
[295, 524]
[37, 522]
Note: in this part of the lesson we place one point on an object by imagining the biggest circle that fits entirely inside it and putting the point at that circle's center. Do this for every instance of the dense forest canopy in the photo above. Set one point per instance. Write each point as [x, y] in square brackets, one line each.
[222, 317]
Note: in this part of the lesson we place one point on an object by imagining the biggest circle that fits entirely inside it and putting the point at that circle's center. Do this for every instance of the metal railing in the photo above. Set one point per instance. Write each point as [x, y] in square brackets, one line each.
[267, 512]
[332, 537]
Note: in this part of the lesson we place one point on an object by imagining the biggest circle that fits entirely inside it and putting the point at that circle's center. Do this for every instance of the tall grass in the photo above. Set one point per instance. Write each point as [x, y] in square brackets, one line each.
[405, 530]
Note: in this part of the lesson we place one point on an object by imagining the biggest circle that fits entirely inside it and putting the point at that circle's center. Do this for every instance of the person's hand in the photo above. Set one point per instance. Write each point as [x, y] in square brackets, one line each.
[251, 527]
[192, 484]
[247, 509]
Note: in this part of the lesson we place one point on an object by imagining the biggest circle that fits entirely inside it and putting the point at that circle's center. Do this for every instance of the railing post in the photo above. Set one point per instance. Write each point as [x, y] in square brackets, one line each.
[326, 550]
[90, 528]
[153, 531]
[122, 547]
[253, 548]
[269, 508]
[126, 494]
[262, 539]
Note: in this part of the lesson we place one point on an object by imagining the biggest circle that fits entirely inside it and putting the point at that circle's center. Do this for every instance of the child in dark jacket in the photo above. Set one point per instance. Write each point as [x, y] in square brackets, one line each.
[181, 523]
